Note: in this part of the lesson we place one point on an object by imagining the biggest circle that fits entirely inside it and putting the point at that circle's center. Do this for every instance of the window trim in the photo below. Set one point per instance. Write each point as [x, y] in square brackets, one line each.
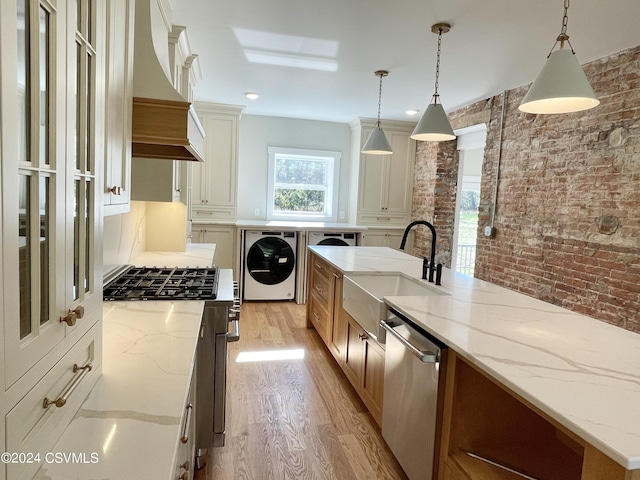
[333, 186]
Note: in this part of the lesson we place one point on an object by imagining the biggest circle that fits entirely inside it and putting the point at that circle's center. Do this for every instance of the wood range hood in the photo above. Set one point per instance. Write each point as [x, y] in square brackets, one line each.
[164, 124]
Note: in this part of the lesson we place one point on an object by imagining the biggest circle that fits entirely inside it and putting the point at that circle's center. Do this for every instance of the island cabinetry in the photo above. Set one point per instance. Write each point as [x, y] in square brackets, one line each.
[364, 367]
[490, 432]
[361, 358]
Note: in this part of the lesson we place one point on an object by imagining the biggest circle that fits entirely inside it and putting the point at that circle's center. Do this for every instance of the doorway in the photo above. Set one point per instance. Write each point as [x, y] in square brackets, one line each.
[471, 142]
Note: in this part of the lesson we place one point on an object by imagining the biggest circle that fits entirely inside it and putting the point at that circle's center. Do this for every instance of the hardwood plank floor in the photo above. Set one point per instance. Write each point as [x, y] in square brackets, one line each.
[294, 419]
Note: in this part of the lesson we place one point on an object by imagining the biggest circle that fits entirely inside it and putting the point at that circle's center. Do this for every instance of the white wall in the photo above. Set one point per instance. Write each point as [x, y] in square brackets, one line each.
[259, 132]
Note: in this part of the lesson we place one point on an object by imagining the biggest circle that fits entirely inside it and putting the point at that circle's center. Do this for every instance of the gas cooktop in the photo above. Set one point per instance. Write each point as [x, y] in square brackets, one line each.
[153, 283]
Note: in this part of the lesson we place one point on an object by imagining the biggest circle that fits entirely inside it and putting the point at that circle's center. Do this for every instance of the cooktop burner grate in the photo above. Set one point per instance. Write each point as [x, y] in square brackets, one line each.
[152, 283]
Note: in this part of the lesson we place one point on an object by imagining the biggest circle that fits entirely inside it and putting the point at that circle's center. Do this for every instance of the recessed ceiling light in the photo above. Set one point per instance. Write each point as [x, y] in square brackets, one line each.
[412, 112]
[252, 95]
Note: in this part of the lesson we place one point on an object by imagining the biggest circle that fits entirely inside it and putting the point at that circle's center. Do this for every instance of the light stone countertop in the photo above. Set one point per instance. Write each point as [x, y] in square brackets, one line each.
[132, 417]
[300, 226]
[583, 373]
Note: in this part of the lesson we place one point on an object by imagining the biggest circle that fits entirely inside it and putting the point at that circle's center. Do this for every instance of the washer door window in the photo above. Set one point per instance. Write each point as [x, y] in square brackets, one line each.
[333, 241]
[270, 260]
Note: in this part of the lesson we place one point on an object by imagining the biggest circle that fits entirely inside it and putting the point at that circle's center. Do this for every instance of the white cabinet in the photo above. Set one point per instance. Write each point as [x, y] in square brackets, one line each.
[185, 453]
[214, 190]
[224, 237]
[159, 180]
[380, 237]
[52, 153]
[384, 182]
[118, 106]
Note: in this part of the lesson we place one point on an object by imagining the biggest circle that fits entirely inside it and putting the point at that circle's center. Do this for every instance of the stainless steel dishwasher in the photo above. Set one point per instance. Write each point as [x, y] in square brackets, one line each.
[411, 378]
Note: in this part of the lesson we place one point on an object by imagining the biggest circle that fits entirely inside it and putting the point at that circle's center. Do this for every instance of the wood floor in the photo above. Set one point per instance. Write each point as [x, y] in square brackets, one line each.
[294, 419]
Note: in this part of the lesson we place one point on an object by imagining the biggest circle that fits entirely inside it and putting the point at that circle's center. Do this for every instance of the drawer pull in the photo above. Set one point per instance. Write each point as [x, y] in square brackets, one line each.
[62, 399]
[318, 266]
[316, 316]
[185, 428]
[318, 289]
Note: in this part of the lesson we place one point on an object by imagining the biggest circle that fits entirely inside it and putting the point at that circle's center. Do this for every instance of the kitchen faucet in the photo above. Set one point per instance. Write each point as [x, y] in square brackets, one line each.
[429, 266]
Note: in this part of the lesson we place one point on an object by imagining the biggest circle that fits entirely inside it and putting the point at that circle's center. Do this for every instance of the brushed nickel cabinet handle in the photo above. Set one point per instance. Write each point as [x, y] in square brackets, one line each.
[318, 289]
[318, 266]
[185, 428]
[115, 190]
[61, 401]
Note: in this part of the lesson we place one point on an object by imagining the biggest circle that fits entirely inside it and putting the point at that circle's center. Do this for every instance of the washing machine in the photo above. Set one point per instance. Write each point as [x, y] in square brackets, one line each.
[332, 238]
[269, 265]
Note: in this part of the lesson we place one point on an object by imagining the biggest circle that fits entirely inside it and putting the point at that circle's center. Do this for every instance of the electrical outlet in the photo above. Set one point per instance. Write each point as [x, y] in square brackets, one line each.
[489, 231]
[256, 212]
[342, 215]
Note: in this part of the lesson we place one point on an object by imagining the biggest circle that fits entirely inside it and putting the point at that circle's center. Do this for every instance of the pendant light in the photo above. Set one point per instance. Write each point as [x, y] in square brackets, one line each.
[562, 86]
[434, 125]
[377, 143]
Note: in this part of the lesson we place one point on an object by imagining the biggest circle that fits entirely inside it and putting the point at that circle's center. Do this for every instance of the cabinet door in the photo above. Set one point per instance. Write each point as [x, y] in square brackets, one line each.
[373, 378]
[118, 106]
[51, 157]
[373, 183]
[338, 337]
[374, 239]
[354, 353]
[399, 173]
[215, 181]
[225, 240]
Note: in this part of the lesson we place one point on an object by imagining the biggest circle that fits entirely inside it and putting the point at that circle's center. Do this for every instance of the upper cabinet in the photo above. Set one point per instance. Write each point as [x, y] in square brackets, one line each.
[118, 105]
[384, 182]
[214, 189]
[51, 156]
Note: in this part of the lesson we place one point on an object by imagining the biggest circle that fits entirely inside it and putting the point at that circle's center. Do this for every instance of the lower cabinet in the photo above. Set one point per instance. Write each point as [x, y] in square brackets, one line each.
[385, 237]
[223, 236]
[361, 358]
[41, 416]
[185, 453]
[364, 367]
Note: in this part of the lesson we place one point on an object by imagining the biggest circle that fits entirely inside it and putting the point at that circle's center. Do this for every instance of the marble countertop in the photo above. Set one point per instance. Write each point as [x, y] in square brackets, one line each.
[583, 373]
[301, 226]
[132, 417]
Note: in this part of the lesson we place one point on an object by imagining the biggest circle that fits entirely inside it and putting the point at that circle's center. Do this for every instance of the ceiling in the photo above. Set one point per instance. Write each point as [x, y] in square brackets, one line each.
[316, 59]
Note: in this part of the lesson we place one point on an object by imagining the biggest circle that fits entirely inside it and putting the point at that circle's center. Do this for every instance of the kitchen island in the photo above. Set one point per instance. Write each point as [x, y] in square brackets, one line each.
[575, 372]
[130, 424]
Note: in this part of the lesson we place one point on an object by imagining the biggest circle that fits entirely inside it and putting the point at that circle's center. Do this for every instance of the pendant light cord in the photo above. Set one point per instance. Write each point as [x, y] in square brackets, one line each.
[436, 95]
[379, 100]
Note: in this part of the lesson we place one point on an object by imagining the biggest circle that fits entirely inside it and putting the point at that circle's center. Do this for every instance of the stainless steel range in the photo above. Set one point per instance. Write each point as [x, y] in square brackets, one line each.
[220, 325]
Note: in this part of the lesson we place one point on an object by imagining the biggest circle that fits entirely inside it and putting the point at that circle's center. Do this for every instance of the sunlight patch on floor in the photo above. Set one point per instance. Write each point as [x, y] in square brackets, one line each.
[270, 355]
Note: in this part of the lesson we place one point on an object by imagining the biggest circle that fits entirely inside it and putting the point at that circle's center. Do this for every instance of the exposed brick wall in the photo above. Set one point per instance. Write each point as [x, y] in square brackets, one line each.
[567, 213]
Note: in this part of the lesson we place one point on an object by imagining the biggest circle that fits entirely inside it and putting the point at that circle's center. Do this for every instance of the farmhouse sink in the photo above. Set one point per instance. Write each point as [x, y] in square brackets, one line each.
[363, 293]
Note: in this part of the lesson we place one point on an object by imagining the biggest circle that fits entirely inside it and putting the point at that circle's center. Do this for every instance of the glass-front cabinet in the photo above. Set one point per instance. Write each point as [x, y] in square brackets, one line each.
[51, 159]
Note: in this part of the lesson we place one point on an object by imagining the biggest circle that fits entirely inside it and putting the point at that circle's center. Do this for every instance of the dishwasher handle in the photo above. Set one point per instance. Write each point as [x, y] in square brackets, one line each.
[425, 356]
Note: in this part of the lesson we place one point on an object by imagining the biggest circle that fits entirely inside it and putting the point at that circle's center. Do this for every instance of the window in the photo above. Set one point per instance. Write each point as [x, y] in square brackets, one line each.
[303, 184]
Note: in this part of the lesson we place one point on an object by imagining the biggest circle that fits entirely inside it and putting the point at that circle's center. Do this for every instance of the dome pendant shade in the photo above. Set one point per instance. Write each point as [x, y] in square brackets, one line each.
[434, 125]
[561, 87]
[377, 143]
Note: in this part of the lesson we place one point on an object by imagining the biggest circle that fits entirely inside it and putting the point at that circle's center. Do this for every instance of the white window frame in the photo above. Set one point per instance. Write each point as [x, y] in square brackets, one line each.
[332, 187]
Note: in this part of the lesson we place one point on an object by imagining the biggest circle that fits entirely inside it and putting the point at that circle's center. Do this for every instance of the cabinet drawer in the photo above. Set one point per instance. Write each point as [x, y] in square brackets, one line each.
[205, 213]
[382, 218]
[319, 317]
[321, 284]
[33, 428]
